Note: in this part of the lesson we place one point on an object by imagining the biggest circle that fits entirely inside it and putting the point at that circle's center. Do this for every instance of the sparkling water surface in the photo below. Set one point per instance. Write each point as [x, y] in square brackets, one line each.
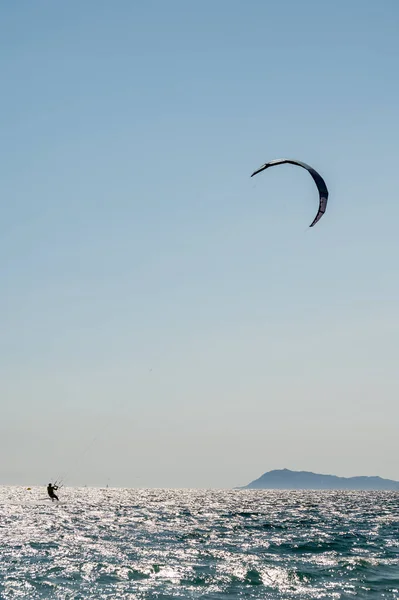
[137, 544]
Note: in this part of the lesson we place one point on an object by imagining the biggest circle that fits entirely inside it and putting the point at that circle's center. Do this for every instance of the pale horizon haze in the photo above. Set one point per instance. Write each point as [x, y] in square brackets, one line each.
[165, 320]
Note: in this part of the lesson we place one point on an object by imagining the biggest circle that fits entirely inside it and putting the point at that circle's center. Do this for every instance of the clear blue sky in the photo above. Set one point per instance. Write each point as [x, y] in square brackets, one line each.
[158, 305]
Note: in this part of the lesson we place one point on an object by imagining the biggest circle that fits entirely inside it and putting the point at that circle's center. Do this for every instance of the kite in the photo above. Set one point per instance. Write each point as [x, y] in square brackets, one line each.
[318, 179]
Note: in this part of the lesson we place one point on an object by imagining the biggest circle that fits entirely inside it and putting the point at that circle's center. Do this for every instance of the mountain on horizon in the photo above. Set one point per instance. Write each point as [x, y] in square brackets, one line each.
[284, 479]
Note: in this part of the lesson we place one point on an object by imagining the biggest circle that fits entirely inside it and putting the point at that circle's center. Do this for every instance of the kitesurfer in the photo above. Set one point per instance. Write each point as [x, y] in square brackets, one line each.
[50, 490]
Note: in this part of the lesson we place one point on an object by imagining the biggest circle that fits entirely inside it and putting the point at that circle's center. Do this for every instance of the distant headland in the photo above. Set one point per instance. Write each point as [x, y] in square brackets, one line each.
[284, 479]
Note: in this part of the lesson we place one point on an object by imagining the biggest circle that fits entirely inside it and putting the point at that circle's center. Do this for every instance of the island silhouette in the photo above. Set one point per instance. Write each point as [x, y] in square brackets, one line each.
[284, 479]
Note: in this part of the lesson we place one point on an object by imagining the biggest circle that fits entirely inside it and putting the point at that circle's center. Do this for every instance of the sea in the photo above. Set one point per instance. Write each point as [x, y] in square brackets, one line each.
[213, 544]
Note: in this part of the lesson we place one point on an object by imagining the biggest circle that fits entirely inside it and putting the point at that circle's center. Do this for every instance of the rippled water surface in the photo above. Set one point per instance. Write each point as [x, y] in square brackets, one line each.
[198, 544]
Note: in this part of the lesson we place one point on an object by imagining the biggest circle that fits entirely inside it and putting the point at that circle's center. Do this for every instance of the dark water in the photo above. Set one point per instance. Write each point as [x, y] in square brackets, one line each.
[136, 544]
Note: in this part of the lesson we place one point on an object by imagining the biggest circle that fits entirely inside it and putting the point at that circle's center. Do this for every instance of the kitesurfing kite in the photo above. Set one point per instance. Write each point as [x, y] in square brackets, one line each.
[318, 179]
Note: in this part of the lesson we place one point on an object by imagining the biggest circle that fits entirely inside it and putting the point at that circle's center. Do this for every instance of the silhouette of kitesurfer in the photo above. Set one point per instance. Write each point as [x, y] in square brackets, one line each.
[50, 490]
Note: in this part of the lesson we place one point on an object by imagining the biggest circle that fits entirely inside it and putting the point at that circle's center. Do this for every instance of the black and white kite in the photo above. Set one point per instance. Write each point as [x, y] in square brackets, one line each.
[318, 179]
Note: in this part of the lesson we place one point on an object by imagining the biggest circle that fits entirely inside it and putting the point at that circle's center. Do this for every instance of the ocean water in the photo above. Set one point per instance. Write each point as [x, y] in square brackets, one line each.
[139, 544]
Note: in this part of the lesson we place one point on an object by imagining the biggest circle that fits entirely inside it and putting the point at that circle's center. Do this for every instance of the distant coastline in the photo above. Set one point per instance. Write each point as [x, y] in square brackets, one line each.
[284, 479]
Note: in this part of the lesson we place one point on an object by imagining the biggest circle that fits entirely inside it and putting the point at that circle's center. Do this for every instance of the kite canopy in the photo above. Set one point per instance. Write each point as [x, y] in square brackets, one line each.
[318, 179]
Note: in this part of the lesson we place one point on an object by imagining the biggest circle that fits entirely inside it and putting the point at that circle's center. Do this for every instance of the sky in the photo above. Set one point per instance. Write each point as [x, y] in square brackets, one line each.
[165, 320]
